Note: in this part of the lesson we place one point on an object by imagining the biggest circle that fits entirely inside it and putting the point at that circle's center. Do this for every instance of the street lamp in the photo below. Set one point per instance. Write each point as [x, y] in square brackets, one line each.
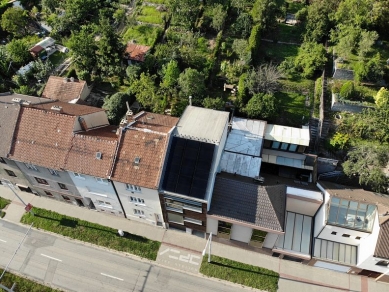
[28, 207]
[209, 243]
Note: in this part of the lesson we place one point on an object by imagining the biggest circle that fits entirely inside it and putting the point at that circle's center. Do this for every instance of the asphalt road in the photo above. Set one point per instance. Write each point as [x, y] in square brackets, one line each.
[72, 266]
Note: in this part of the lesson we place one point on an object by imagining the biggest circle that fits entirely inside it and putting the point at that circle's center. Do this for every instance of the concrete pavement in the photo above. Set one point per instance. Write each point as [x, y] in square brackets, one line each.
[293, 276]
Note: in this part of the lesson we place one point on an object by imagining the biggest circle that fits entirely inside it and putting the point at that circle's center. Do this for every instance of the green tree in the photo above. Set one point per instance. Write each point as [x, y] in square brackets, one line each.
[310, 57]
[83, 48]
[346, 37]
[382, 97]
[15, 21]
[243, 25]
[366, 42]
[170, 74]
[50, 5]
[266, 12]
[133, 72]
[42, 70]
[340, 141]
[17, 50]
[145, 91]
[371, 70]
[347, 90]
[254, 42]
[184, 12]
[214, 103]
[240, 47]
[367, 162]
[115, 106]
[219, 13]
[263, 79]
[262, 106]
[191, 83]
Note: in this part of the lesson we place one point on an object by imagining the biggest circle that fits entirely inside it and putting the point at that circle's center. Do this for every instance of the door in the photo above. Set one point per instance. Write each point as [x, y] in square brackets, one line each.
[80, 203]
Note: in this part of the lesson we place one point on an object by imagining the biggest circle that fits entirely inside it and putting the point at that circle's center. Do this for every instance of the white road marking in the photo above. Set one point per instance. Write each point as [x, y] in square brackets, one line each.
[51, 257]
[111, 277]
[2, 240]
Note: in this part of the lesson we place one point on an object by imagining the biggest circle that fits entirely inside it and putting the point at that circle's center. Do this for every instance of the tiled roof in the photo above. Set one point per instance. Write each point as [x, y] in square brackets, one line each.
[150, 148]
[359, 195]
[82, 157]
[154, 122]
[382, 246]
[136, 52]
[42, 137]
[249, 203]
[58, 89]
[69, 108]
[8, 117]
[8, 97]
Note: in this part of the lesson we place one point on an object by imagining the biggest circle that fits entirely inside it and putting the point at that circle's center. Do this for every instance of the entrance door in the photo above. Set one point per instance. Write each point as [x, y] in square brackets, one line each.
[80, 203]
[90, 203]
[224, 230]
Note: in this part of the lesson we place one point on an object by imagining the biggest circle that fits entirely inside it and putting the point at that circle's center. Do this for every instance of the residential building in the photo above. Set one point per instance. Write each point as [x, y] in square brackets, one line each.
[42, 140]
[191, 165]
[284, 153]
[135, 53]
[138, 165]
[10, 106]
[66, 89]
[351, 229]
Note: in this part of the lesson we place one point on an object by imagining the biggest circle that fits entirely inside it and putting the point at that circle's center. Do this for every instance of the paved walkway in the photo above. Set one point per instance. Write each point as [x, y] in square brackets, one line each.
[183, 251]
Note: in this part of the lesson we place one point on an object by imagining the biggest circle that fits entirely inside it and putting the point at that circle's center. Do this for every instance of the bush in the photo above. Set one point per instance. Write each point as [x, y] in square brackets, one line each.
[254, 42]
[347, 91]
[115, 106]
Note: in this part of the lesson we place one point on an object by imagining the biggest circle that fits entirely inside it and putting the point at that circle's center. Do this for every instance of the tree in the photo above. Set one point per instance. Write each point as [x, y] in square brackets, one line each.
[372, 70]
[346, 37]
[17, 51]
[214, 103]
[382, 97]
[133, 72]
[367, 161]
[254, 42]
[243, 25]
[263, 79]
[219, 16]
[115, 106]
[170, 74]
[266, 12]
[340, 141]
[184, 12]
[191, 83]
[347, 90]
[82, 48]
[240, 47]
[42, 70]
[261, 106]
[366, 42]
[15, 20]
[310, 57]
[49, 5]
[146, 92]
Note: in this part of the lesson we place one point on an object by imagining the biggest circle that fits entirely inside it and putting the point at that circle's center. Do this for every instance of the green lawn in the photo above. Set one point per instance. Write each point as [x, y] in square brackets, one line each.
[57, 58]
[273, 52]
[142, 34]
[293, 109]
[23, 284]
[4, 203]
[251, 276]
[92, 233]
[288, 33]
[150, 14]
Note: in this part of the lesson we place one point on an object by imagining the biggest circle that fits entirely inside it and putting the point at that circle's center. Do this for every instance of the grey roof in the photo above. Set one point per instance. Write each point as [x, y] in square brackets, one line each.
[201, 124]
[382, 246]
[343, 74]
[9, 114]
[249, 203]
[8, 97]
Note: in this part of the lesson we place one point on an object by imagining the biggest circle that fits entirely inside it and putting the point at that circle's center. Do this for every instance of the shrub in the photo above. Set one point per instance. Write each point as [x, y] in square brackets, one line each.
[347, 91]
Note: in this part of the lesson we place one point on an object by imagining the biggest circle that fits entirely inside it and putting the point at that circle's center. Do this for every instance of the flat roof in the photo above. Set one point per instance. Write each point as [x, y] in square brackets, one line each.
[317, 196]
[202, 124]
[244, 165]
[288, 134]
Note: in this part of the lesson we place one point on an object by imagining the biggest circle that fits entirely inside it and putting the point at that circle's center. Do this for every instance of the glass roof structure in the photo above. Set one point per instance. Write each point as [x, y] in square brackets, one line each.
[351, 214]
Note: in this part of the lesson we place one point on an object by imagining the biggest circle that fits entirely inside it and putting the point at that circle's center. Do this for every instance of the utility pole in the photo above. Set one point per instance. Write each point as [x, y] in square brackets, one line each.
[209, 243]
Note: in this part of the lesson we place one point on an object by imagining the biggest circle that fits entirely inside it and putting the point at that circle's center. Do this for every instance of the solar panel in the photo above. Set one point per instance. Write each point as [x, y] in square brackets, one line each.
[188, 167]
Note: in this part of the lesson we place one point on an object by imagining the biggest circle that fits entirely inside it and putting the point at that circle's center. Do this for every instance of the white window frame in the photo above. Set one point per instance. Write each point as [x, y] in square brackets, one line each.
[138, 212]
[102, 181]
[193, 221]
[104, 204]
[133, 188]
[31, 166]
[136, 200]
[53, 171]
[79, 175]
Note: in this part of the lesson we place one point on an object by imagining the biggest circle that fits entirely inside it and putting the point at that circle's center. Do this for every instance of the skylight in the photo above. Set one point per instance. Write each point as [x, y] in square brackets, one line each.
[351, 214]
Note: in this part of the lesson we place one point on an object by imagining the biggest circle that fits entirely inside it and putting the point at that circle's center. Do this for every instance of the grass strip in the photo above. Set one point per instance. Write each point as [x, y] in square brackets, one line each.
[23, 284]
[4, 203]
[92, 233]
[251, 276]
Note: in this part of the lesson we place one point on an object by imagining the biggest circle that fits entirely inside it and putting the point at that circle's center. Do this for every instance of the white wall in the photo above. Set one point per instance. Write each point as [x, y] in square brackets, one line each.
[85, 91]
[151, 207]
[212, 225]
[326, 234]
[301, 207]
[270, 240]
[367, 246]
[96, 191]
[370, 263]
[320, 218]
[241, 233]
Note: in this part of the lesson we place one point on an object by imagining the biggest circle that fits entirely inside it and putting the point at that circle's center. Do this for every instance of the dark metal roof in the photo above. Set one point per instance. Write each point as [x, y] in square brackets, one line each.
[382, 246]
[343, 74]
[249, 203]
[188, 167]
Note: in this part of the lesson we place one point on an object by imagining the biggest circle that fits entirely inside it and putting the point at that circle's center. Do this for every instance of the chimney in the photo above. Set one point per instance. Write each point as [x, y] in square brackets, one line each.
[190, 100]
[83, 124]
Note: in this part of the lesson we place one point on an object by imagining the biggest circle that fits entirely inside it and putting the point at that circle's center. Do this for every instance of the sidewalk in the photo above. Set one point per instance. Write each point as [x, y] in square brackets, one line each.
[293, 276]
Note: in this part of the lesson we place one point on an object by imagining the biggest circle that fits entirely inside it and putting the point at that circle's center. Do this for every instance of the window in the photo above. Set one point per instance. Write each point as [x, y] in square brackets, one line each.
[267, 144]
[49, 194]
[101, 180]
[104, 204]
[175, 218]
[138, 212]
[292, 147]
[178, 205]
[2, 160]
[66, 198]
[284, 146]
[41, 181]
[333, 233]
[78, 175]
[10, 172]
[31, 166]
[63, 186]
[358, 237]
[194, 221]
[275, 145]
[382, 263]
[137, 200]
[133, 188]
[53, 172]
[345, 235]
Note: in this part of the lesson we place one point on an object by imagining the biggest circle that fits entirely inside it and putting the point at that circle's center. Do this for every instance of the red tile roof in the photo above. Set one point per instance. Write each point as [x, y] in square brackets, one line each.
[136, 52]
[69, 108]
[42, 137]
[382, 246]
[154, 122]
[82, 154]
[59, 89]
